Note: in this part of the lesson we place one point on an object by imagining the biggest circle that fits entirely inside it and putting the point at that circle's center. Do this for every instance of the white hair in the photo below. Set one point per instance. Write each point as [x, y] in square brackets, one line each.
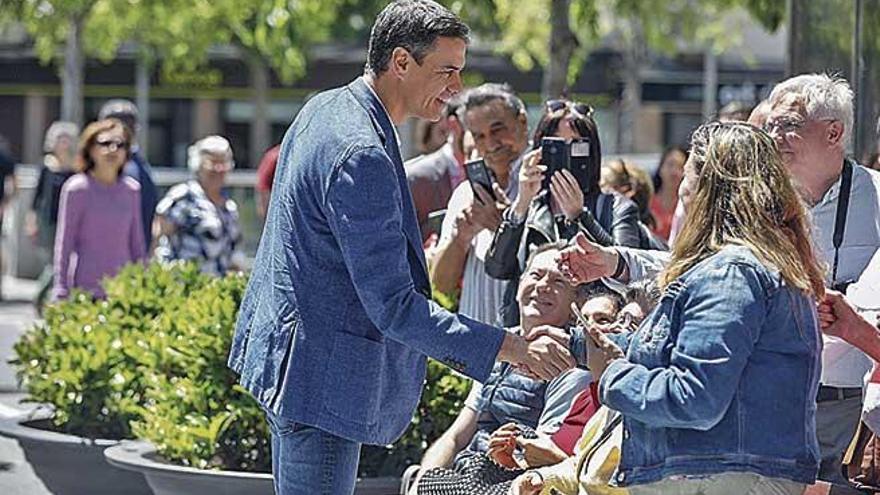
[824, 97]
[58, 129]
[214, 145]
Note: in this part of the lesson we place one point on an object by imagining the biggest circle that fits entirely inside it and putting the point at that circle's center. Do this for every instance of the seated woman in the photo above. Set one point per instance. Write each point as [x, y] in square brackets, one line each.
[545, 298]
[539, 215]
[731, 355]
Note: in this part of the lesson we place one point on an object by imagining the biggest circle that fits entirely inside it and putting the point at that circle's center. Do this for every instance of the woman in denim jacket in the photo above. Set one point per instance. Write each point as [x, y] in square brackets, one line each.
[717, 387]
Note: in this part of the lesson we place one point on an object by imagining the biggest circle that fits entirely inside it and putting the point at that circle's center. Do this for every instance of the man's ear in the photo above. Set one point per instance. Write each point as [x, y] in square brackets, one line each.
[834, 133]
[400, 62]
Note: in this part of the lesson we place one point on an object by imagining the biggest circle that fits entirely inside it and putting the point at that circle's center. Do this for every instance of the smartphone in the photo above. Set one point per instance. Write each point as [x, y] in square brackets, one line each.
[434, 223]
[478, 173]
[554, 156]
[579, 161]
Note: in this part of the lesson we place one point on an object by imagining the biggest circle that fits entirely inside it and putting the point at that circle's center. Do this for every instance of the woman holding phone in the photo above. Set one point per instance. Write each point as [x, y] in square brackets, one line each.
[553, 207]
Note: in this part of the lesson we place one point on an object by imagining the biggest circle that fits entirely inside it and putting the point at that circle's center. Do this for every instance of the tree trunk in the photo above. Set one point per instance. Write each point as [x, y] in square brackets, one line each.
[72, 74]
[143, 71]
[261, 130]
[634, 55]
[563, 43]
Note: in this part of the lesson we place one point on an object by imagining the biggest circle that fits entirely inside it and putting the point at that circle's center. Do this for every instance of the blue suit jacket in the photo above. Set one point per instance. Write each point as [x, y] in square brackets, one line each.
[336, 321]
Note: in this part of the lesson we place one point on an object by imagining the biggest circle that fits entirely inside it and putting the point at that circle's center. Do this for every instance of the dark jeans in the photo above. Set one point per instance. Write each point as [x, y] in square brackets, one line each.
[309, 461]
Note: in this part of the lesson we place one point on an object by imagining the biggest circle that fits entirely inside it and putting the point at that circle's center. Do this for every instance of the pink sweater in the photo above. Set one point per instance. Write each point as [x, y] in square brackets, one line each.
[99, 231]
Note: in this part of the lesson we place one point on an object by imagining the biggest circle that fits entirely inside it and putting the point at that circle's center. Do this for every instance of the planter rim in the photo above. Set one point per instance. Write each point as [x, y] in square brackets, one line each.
[18, 428]
[137, 455]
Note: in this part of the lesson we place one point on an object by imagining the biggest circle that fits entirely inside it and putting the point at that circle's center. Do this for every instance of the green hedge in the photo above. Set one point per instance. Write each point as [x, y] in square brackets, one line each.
[150, 362]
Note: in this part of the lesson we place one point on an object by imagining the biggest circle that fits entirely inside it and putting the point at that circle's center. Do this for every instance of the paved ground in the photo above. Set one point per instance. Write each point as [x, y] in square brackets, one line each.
[16, 314]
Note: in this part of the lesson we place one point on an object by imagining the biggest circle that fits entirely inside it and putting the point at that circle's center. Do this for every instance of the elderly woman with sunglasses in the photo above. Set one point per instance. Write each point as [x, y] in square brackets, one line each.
[99, 221]
[567, 207]
[195, 221]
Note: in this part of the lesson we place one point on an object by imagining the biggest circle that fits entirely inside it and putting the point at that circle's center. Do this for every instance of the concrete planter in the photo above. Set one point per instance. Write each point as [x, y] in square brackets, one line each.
[170, 479]
[71, 465]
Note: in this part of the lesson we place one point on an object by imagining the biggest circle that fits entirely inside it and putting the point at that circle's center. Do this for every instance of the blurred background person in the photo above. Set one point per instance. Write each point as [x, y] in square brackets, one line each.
[636, 184]
[429, 136]
[7, 182]
[137, 167]
[265, 177]
[667, 178]
[41, 220]
[735, 111]
[539, 215]
[195, 221]
[99, 218]
[432, 177]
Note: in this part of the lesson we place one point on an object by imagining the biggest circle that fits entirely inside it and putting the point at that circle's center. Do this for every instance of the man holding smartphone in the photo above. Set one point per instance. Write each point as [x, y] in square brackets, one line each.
[336, 322]
[496, 118]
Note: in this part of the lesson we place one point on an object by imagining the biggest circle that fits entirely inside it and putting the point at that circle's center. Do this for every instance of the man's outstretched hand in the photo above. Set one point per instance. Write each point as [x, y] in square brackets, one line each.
[584, 261]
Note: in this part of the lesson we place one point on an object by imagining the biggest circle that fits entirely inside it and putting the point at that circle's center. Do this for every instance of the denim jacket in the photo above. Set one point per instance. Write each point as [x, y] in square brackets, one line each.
[336, 320]
[722, 376]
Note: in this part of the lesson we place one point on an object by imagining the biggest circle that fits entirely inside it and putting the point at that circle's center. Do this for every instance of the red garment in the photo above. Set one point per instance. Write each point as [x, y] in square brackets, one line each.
[266, 170]
[662, 217]
[582, 409]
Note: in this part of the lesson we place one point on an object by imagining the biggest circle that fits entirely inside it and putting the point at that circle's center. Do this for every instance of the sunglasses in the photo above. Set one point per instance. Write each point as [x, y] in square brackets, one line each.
[580, 109]
[112, 145]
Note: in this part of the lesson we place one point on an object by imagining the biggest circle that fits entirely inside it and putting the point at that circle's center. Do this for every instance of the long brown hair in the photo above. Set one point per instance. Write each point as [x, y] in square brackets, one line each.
[89, 136]
[744, 196]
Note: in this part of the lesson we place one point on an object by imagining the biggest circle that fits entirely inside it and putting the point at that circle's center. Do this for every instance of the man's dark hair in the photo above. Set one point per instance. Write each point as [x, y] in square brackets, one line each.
[489, 92]
[413, 25]
[645, 293]
[598, 288]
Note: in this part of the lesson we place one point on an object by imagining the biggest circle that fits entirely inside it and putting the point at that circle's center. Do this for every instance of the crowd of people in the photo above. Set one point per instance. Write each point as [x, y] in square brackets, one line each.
[729, 355]
[96, 207]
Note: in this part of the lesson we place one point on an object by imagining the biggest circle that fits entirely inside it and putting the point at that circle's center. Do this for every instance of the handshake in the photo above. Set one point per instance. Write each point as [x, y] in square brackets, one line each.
[543, 354]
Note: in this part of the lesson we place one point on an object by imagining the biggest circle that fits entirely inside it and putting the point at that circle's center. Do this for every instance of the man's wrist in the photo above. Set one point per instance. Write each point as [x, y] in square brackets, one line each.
[513, 348]
[620, 266]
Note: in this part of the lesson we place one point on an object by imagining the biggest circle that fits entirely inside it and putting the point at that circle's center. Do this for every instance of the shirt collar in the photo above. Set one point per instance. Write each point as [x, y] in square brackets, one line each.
[833, 192]
[382, 104]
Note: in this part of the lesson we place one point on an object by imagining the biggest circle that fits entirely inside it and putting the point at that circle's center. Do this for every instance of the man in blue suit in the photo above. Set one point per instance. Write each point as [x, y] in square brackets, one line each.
[336, 322]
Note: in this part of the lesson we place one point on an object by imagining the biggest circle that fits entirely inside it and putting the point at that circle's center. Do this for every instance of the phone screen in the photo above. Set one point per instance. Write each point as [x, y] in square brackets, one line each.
[478, 173]
[579, 161]
[434, 222]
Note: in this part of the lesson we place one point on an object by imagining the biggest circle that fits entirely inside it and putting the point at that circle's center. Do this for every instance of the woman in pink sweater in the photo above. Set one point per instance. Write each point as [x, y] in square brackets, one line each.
[99, 222]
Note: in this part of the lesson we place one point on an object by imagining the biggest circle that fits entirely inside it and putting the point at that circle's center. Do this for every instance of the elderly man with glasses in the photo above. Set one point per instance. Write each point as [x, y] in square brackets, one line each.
[811, 118]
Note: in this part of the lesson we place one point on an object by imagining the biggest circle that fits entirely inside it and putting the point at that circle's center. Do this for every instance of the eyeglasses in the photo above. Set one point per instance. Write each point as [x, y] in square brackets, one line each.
[784, 125]
[112, 145]
[580, 109]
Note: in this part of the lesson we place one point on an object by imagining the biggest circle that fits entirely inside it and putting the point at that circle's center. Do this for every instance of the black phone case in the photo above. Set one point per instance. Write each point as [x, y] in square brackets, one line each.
[478, 173]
